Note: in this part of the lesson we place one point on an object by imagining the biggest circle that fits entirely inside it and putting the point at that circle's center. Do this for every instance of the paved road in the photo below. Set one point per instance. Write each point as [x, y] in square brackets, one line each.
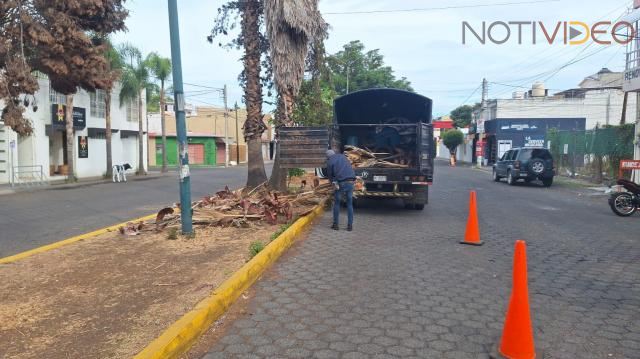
[400, 285]
[33, 219]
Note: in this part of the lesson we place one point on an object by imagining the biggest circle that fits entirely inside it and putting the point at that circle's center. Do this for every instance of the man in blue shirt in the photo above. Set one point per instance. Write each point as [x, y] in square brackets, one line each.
[341, 174]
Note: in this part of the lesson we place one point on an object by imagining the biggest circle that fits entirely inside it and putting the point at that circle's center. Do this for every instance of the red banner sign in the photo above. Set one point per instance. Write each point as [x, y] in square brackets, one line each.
[480, 149]
[630, 164]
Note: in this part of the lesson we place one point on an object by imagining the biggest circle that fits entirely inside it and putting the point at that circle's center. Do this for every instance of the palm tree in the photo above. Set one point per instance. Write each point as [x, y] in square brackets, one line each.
[254, 126]
[161, 69]
[291, 27]
[135, 80]
[114, 68]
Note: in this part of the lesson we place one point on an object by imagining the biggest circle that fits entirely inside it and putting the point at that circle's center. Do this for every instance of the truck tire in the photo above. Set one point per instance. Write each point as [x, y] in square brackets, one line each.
[419, 207]
[511, 181]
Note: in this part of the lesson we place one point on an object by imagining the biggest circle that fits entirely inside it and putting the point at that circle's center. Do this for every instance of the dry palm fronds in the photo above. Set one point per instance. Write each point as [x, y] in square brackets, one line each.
[362, 158]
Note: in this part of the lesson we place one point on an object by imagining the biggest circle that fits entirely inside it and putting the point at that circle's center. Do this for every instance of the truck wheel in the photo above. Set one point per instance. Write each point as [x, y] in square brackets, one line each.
[547, 182]
[419, 207]
[408, 205]
[496, 178]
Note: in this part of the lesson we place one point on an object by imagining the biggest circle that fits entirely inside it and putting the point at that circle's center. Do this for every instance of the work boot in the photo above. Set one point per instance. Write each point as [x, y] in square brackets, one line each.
[335, 227]
[350, 228]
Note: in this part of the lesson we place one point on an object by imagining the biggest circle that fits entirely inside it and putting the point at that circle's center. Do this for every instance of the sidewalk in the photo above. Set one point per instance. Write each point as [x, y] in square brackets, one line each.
[6, 189]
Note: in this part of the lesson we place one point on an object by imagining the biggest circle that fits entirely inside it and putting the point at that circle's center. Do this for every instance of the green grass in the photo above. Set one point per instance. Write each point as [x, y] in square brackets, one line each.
[255, 248]
[280, 230]
[172, 234]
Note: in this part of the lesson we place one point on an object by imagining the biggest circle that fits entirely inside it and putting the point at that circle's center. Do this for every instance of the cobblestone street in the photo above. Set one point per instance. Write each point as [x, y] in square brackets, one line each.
[400, 285]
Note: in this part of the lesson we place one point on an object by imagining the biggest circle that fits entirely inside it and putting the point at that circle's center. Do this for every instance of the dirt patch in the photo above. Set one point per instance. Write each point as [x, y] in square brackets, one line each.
[110, 296]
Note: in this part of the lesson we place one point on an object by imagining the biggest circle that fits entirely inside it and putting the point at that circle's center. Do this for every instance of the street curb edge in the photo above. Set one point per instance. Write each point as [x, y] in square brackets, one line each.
[55, 245]
[182, 334]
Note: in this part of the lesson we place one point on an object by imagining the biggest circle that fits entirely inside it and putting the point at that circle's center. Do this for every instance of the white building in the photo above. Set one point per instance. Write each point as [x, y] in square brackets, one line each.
[22, 159]
[598, 99]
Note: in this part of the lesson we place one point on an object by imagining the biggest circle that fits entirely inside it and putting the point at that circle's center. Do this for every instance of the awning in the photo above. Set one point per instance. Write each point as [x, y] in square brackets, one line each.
[97, 132]
[129, 133]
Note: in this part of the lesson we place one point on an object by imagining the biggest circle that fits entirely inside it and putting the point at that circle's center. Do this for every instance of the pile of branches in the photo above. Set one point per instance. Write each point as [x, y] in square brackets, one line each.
[238, 209]
[361, 158]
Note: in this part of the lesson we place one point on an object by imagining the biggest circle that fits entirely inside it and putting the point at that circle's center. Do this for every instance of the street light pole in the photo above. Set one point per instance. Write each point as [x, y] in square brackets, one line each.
[183, 146]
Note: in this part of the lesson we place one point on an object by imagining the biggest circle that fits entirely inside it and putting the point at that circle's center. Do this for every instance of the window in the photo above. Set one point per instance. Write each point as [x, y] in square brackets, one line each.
[505, 156]
[513, 156]
[98, 107]
[56, 97]
[132, 111]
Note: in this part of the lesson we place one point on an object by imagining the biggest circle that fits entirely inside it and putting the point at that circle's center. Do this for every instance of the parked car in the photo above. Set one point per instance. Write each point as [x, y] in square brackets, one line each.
[527, 164]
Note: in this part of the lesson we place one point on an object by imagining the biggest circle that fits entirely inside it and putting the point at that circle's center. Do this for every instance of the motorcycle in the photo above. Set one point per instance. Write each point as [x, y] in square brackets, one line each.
[625, 203]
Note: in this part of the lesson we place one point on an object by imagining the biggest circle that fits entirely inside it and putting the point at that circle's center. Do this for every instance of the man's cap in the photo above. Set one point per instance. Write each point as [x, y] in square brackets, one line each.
[330, 153]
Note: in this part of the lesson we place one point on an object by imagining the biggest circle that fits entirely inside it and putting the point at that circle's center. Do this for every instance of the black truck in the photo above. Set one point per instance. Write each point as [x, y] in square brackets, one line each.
[392, 127]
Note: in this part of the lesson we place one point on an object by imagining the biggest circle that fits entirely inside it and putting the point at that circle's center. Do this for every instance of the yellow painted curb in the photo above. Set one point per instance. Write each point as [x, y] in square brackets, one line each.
[48, 247]
[182, 334]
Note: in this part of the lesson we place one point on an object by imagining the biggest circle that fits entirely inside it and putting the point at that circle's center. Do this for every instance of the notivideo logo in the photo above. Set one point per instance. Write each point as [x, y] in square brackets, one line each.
[567, 32]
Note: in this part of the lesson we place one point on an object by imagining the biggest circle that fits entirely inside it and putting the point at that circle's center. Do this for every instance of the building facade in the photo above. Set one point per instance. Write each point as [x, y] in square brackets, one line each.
[43, 153]
[206, 128]
[524, 119]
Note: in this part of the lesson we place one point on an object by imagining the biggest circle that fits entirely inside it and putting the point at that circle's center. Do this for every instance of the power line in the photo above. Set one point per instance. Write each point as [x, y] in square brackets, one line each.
[439, 8]
[473, 93]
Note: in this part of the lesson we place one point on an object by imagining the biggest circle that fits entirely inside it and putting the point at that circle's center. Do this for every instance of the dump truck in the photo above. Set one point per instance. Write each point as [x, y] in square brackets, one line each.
[386, 133]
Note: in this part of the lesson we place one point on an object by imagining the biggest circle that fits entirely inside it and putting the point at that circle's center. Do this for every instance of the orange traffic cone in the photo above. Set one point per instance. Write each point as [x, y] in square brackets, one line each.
[472, 234]
[517, 335]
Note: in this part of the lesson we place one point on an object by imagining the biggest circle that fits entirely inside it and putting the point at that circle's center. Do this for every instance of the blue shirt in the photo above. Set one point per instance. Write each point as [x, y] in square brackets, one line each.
[339, 168]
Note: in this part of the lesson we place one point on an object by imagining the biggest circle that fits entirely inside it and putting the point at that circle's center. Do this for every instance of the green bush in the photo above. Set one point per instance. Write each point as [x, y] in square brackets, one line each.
[280, 230]
[452, 139]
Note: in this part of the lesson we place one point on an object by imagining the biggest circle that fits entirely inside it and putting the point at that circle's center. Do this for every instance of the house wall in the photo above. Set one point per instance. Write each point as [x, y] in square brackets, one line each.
[598, 107]
[210, 149]
[35, 150]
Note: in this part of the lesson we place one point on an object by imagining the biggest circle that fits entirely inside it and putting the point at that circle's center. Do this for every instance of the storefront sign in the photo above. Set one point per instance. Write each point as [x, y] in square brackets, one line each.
[534, 141]
[83, 147]
[59, 117]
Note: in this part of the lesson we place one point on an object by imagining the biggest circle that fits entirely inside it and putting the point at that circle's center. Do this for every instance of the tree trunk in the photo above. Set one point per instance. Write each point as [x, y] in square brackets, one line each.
[141, 170]
[254, 126]
[107, 135]
[278, 180]
[256, 174]
[71, 176]
[164, 128]
[623, 119]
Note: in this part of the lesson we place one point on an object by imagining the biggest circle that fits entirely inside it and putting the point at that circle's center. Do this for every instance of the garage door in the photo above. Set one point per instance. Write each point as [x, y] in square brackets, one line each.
[196, 153]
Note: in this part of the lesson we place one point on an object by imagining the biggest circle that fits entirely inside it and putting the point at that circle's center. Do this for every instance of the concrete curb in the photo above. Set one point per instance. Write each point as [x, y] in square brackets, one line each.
[48, 247]
[181, 335]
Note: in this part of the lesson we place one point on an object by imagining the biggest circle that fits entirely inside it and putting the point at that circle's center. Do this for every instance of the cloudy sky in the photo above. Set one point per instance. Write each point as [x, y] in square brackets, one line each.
[420, 39]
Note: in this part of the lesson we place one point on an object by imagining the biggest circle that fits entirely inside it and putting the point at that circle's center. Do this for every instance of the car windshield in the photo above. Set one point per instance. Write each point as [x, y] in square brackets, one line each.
[527, 154]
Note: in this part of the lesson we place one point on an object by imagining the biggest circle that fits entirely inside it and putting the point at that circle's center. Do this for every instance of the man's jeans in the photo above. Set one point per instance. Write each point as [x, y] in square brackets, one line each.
[346, 188]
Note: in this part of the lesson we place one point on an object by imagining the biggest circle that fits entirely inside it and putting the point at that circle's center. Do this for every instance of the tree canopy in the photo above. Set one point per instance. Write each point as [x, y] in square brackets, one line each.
[328, 80]
[452, 139]
[461, 116]
[365, 70]
[63, 39]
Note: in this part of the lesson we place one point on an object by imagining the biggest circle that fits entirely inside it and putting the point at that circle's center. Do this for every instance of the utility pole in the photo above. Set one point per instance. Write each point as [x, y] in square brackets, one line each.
[226, 128]
[237, 135]
[183, 146]
[480, 123]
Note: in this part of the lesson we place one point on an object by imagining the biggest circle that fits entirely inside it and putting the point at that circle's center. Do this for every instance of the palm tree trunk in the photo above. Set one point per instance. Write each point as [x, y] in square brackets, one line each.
[164, 128]
[254, 126]
[71, 176]
[107, 135]
[141, 170]
[278, 180]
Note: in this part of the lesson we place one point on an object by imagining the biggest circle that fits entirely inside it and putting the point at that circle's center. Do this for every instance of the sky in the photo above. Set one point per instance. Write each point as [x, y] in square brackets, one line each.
[422, 42]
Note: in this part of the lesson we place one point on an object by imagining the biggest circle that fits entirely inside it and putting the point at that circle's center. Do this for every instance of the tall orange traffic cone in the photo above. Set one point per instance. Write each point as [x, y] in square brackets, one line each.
[517, 335]
[472, 234]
